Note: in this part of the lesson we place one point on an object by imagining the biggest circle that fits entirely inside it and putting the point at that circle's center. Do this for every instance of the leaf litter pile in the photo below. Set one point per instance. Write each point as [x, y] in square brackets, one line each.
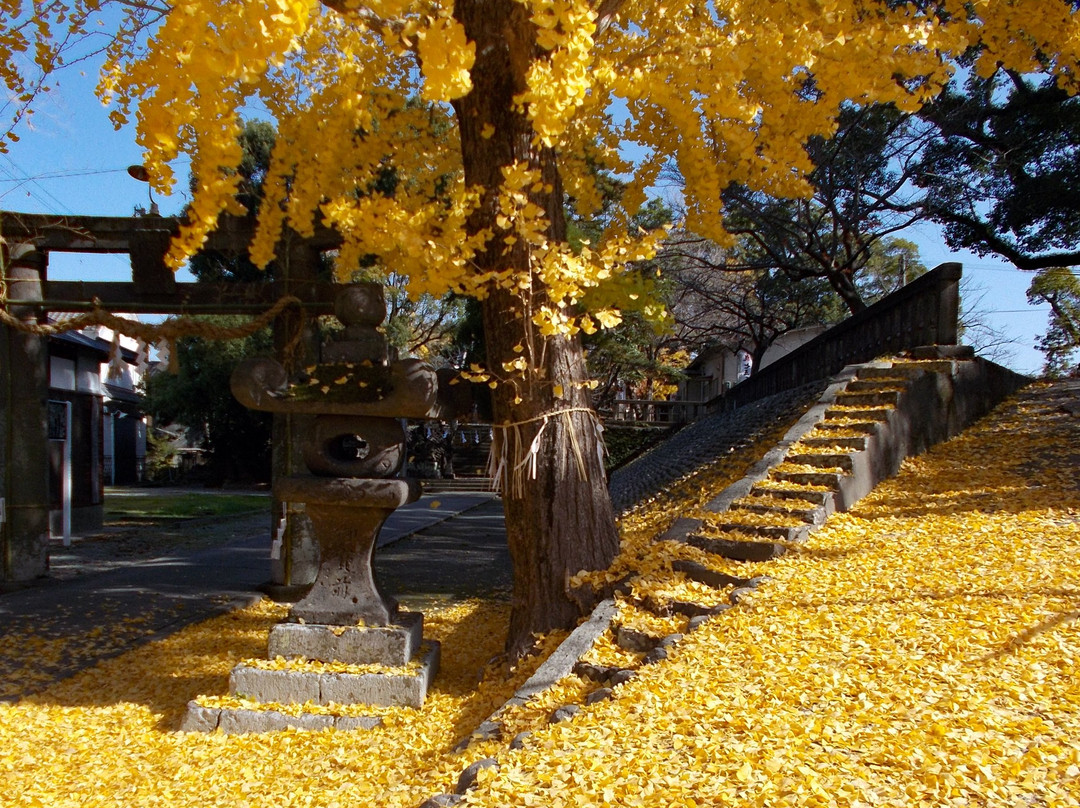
[921, 649]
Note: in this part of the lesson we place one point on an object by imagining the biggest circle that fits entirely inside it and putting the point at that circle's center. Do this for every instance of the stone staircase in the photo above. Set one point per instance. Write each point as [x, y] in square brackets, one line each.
[444, 485]
[471, 447]
[868, 420]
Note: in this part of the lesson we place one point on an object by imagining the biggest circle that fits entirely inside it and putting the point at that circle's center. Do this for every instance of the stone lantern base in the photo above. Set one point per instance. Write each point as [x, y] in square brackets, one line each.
[399, 668]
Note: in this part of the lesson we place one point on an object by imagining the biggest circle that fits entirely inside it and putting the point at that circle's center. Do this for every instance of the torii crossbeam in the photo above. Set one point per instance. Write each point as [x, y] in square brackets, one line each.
[28, 294]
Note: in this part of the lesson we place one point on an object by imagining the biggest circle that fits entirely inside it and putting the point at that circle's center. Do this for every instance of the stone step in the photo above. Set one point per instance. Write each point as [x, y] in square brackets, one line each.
[813, 515]
[704, 575]
[824, 478]
[861, 385]
[391, 646]
[855, 444]
[793, 493]
[890, 373]
[738, 548]
[858, 413]
[871, 398]
[444, 485]
[777, 532]
[949, 353]
[869, 427]
[906, 369]
[832, 460]
[240, 721]
[913, 367]
[407, 688]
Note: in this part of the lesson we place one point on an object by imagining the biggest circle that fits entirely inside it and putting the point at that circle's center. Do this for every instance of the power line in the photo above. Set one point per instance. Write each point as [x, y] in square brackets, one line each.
[52, 204]
[1010, 270]
[55, 202]
[88, 172]
[75, 172]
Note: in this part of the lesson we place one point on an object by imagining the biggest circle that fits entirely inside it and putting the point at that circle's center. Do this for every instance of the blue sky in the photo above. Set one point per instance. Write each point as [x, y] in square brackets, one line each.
[71, 160]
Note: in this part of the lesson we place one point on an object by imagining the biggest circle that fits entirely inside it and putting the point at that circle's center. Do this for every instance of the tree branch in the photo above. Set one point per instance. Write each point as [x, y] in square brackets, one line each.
[981, 235]
[369, 18]
[606, 12]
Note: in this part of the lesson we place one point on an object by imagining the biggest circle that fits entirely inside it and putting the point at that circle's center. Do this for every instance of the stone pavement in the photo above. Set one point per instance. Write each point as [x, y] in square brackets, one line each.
[442, 547]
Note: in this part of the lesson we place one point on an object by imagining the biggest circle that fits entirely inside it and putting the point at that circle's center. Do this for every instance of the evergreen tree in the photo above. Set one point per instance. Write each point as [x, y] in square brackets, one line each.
[1058, 287]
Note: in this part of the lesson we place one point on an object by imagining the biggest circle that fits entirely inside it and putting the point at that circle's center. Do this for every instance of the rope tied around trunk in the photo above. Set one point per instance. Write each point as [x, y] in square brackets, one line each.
[511, 465]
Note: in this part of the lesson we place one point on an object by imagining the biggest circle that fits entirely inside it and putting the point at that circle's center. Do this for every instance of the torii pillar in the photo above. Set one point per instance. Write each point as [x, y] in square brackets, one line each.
[24, 370]
[294, 556]
[24, 386]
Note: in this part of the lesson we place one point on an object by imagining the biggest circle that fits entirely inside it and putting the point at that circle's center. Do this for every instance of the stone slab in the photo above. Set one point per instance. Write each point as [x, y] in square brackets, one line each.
[240, 721]
[297, 687]
[561, 661]
[702, 574]
[383, 689]
[351, 723]
[200, 719]
[279, 687]
[391, 645]
[746, 550]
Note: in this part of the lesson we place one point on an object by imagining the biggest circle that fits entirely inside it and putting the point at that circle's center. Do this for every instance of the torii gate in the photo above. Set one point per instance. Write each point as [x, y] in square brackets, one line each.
[27, 240]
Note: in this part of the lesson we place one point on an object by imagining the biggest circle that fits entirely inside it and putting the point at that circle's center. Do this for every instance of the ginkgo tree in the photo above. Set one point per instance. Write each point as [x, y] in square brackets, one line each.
[495, 114]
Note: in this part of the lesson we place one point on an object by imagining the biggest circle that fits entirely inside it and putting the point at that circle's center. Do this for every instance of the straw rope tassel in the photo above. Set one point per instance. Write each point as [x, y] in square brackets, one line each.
[511, 466]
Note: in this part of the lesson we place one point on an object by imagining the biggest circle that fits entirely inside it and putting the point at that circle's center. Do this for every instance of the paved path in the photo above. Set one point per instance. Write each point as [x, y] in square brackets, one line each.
[431, 551]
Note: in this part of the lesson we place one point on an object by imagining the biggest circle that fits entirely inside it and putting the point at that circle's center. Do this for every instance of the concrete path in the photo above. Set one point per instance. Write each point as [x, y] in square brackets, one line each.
[428, 511]
[460, 557]
[431, 550]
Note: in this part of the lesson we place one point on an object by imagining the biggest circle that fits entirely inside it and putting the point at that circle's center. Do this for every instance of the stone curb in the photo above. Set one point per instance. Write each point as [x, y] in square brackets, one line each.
[555, 667]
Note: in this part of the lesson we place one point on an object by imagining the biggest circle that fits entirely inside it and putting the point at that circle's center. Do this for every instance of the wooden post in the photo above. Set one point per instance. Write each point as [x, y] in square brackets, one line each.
[24, 391]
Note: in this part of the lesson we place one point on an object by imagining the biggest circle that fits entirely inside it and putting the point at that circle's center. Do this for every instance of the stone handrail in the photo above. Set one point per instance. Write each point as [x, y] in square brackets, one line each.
[924, 312]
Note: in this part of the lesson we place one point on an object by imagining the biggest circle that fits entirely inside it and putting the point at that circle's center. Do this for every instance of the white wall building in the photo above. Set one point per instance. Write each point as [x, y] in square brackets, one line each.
[97, 433]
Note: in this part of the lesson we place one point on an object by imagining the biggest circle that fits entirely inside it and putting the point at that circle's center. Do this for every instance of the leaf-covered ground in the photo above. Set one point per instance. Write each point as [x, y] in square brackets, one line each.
[922, 649]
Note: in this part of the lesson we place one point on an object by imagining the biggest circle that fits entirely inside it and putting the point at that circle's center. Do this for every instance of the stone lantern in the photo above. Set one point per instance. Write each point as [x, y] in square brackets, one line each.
[354, 450]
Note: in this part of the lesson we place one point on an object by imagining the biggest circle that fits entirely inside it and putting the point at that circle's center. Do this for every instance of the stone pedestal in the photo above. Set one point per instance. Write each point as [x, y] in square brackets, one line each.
[395, 687]
[346, 515]
[408, 665]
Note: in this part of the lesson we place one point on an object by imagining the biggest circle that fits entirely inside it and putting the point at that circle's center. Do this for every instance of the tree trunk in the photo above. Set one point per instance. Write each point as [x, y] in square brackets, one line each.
[559, 519]
[844, 285]
[756, 355]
